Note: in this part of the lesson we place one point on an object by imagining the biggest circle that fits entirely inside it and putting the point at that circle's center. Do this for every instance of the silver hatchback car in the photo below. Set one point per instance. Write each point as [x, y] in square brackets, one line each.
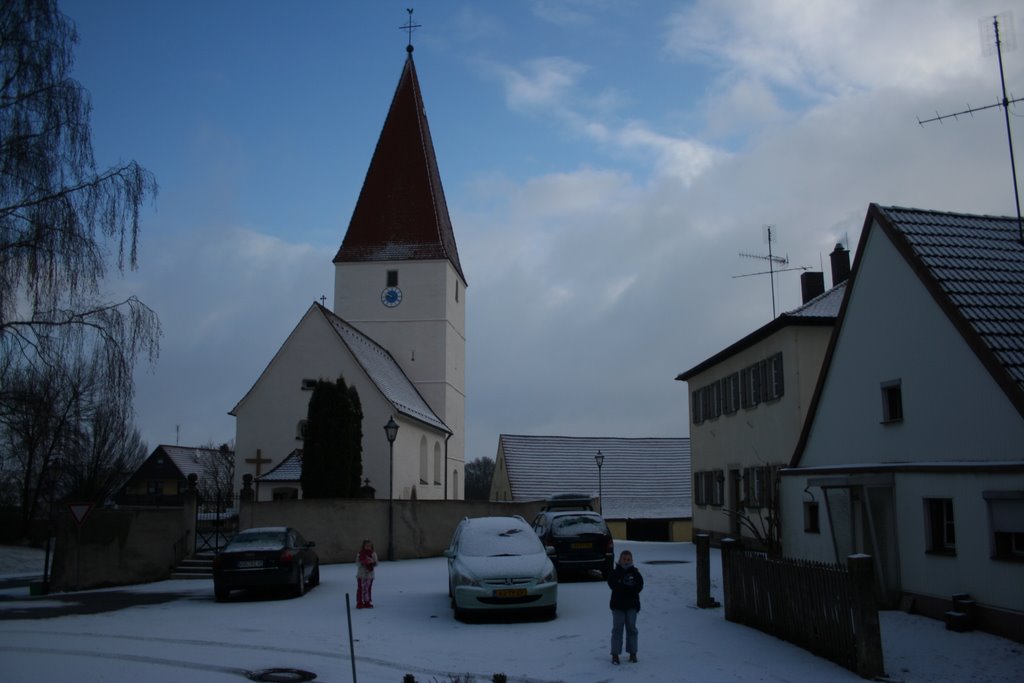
[498, 564]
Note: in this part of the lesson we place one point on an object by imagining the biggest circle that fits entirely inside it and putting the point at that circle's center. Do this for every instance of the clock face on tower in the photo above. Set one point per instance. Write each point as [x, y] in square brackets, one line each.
[391, 297]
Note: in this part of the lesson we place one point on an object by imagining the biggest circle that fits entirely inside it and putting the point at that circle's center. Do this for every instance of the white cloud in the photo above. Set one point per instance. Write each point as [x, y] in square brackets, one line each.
[543, 84]
[227, 297]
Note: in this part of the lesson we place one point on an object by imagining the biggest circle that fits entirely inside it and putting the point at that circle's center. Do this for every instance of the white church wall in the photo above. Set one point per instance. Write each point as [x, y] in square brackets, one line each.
[269, 416]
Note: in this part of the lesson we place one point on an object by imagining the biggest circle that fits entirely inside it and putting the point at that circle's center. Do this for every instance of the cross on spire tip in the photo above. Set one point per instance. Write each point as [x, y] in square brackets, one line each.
[410, 27]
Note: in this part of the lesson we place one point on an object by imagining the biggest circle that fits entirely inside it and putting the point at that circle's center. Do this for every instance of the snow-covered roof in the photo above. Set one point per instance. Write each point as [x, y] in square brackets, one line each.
[189, 459]
[384, 372]
[289, 469]
[380, 367]
[821, 310]
[825, 305]
[646, 478]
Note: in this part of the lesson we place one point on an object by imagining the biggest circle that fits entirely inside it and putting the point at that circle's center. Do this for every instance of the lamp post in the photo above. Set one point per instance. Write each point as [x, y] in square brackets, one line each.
[391, 431]
[599, 459]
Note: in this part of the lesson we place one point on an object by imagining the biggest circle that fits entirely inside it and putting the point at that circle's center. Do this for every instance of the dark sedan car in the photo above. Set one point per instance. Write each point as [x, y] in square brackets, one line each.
[580, 538]
[266, 557]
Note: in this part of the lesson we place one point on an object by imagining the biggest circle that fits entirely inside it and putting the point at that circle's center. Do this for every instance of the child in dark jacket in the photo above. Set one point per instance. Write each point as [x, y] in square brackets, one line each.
[626, 583]
[366, 560]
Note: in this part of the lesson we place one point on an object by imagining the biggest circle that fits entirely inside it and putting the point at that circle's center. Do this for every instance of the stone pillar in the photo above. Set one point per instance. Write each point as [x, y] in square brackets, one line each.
[186, 545]
[866, 628]
[729, 546]
[704, 599]
[246, 493]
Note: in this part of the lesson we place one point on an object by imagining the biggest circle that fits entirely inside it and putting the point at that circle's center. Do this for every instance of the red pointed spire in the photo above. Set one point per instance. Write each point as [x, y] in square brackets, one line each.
[401, 213]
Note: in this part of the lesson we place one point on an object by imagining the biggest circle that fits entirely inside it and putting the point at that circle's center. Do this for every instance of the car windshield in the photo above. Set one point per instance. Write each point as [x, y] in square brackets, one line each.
[575, 525]
[499, 542]
[258, 538]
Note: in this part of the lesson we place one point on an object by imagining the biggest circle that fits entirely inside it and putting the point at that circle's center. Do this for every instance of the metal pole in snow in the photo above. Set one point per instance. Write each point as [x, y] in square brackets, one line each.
[351, 643]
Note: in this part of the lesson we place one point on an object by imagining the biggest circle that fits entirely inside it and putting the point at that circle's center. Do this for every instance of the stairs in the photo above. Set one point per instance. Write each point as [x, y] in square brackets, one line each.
[961, 617]
[197, 567]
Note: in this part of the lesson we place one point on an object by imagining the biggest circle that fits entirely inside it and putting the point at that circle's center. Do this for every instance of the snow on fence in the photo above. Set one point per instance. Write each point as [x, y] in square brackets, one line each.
[827, 609]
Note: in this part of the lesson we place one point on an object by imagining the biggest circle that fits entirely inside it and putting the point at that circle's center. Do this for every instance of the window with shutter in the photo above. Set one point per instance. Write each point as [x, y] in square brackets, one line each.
[718, 487]
[1006, 520]
[776, 376]
[698, 489]
[765, 378]
[749, 488]
[755, 385]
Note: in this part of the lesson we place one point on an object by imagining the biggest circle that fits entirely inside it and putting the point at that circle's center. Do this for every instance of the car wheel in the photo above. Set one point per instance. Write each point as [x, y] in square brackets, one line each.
[220, 592]
[314, 578]
[551, 612]
[300, 582]
[606, 570]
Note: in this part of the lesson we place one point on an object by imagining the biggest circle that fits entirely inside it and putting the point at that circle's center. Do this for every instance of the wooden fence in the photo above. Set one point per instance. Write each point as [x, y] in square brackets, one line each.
[827, 609]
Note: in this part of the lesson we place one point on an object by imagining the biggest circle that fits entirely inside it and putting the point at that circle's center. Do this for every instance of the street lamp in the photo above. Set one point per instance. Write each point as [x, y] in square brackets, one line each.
[599, 459]
[391, 431]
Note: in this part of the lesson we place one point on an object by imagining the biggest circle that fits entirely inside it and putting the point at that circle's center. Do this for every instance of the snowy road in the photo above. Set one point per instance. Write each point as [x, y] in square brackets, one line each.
[412, 630]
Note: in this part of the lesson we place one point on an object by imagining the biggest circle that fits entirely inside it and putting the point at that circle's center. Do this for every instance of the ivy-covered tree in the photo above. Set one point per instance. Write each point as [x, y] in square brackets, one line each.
[332, 450]
[478, 474]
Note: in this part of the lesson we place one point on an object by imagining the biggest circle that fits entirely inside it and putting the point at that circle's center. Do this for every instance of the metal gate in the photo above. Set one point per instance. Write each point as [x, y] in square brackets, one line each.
[216, 523]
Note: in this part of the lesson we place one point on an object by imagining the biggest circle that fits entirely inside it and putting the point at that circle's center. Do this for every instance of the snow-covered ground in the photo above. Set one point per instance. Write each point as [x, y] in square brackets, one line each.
[411, 630]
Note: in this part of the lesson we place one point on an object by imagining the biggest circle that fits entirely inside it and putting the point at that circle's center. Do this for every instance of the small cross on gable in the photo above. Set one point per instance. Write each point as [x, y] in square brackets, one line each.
[258, 461]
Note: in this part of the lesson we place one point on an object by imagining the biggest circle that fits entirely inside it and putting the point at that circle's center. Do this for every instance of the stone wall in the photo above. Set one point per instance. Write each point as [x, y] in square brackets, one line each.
[120, 547]
[422, 528]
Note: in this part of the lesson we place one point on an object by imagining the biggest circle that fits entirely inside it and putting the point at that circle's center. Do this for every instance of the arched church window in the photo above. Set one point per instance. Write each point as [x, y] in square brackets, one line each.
[423, 460]
[437, 464]
[301, 430]
[455, 484]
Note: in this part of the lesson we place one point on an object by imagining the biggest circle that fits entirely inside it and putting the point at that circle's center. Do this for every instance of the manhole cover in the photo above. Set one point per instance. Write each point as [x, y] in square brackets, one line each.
[667, 562]
[281, 675]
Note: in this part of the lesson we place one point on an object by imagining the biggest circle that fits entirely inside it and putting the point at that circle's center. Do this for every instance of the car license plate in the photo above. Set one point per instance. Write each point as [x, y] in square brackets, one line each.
[581, 546]
[249, 564]
[510, 592]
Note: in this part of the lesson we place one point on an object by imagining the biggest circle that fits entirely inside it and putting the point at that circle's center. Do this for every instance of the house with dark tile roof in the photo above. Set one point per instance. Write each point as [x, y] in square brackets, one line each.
[396, 332]
[747, 405]
[642, 486]
[913, 447]
[162, 478]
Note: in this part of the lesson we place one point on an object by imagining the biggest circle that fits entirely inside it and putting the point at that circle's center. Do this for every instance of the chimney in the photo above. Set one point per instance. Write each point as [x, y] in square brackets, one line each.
[811, 285]
[840, 264]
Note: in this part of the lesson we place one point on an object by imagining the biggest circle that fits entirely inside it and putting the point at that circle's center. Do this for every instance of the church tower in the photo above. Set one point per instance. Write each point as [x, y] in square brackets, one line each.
[398, 278]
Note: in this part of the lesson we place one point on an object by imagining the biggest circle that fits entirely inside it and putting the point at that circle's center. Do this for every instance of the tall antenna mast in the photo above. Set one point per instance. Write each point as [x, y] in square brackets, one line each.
[772, 260]
[1004, 103]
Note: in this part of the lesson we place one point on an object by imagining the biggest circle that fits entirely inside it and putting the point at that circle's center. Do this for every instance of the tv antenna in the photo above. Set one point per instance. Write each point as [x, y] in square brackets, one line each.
[1004, 103]
[772, 260]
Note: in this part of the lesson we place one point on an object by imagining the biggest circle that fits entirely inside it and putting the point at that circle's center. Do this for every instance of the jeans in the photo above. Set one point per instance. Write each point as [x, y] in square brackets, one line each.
[624, 618]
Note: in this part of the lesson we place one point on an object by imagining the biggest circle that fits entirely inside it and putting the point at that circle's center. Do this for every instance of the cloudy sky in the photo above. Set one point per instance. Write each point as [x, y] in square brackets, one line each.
[605, 164]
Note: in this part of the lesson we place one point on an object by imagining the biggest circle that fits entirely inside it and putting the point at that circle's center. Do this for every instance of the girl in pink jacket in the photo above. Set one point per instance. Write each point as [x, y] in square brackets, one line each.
[366, 560]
